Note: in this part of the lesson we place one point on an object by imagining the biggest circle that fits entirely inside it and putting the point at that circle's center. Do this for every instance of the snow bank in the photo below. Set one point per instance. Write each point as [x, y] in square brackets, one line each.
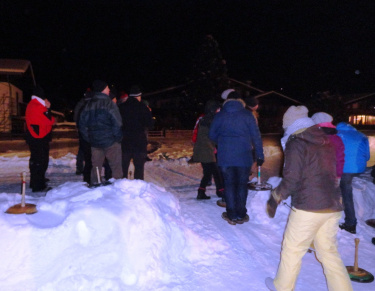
[126, 235]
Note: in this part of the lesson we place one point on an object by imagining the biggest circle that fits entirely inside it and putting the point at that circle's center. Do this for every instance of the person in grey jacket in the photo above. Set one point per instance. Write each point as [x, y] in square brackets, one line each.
[310, 178]
[100, 125]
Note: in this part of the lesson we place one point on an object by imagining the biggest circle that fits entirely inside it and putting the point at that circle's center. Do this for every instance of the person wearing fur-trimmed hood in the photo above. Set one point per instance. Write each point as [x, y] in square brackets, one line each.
[236, 133]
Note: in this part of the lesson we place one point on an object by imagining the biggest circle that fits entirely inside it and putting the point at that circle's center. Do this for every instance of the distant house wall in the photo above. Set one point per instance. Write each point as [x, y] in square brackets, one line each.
[11, 99]
[361, 113]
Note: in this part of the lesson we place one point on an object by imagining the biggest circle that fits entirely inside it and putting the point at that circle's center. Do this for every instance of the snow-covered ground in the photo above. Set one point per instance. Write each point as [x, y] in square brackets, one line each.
[153, 234]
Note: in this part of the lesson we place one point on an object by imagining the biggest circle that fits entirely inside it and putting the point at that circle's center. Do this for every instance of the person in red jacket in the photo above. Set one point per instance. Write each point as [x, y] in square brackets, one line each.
[39, 123]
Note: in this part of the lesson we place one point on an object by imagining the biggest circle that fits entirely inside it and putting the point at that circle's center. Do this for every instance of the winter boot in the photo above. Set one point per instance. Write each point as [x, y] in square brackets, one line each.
[202, 194]
[220, 193]
[224, 215]
[243, 220]
[348, 228]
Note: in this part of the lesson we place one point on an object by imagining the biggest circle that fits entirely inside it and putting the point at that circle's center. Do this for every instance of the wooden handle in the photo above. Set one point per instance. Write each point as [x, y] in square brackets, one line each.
[98, 175]
[23, 189]
[356, 255]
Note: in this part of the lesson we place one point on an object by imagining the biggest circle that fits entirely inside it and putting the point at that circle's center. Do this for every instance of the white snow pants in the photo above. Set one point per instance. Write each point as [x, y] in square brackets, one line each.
[304, 228]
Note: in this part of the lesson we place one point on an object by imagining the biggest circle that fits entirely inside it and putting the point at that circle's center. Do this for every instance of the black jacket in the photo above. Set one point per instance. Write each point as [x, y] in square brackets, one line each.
[136, 119]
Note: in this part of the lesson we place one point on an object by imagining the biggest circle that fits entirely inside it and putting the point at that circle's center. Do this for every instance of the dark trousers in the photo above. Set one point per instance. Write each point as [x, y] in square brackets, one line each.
[139, 160]
[38, 163]
[86, 150]
[80, 159]
[209, 170]
[235, 181]
[347, 198]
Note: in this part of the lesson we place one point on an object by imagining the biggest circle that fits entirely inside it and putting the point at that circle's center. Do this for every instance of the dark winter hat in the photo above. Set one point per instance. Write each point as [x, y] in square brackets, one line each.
[113, 92]
[251, 101]
[234, 95]
[135, 91]
[38, 91]
[211, 106]
[99, 85]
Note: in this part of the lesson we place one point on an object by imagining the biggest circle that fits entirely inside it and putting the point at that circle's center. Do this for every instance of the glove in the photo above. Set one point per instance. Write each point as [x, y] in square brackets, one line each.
[260, 162]
[272, 204]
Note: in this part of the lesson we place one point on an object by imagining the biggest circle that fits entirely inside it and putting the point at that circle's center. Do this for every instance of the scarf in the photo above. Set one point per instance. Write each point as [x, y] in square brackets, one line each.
[299, 124]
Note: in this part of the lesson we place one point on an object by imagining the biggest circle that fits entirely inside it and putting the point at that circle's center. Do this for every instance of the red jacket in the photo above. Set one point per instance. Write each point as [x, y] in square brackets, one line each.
[195, 130]
[38, 124]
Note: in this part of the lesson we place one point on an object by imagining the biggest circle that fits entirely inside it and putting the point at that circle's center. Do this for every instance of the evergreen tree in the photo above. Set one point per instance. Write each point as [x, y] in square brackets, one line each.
[208, 78]
[209, 71]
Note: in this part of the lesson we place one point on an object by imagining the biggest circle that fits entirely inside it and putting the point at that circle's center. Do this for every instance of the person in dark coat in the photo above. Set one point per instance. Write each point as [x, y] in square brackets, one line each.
[39, 121]
[204, 152]
[136, 119]
[84, 150]
[236, 133]
[100, 125]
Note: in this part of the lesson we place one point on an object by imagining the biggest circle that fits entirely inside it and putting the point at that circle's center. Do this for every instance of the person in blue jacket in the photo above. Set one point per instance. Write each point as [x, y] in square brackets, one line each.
[236, 133]
[357, 153]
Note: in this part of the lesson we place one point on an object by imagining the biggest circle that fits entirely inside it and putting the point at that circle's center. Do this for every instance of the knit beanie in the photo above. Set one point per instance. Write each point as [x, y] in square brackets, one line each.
[99, 85]
[251, 101]
[122, 96]
[211, 106]
[233, 95]
[225, 94]
[321, 117]
[135, 91]
[293, 113]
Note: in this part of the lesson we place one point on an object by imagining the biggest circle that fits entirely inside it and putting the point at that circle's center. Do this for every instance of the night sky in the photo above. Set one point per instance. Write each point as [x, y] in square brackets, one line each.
[300, 46]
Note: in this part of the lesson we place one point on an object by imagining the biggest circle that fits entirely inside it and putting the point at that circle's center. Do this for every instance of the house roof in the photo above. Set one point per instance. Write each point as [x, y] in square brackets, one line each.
[263, 93]
[16, 67]
[359, 98]
[13, 66]
[276, 93]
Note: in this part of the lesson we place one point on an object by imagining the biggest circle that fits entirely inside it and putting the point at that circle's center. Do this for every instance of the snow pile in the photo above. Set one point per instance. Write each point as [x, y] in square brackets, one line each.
[129, 234]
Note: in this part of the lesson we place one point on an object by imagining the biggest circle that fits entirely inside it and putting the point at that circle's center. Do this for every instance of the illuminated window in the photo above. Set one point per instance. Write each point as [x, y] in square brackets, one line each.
[362, 119]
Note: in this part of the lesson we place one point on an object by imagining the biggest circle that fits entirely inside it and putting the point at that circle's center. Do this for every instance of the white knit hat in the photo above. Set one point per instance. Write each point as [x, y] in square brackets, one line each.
[293, 113]
[225, 94]
[321, 117]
